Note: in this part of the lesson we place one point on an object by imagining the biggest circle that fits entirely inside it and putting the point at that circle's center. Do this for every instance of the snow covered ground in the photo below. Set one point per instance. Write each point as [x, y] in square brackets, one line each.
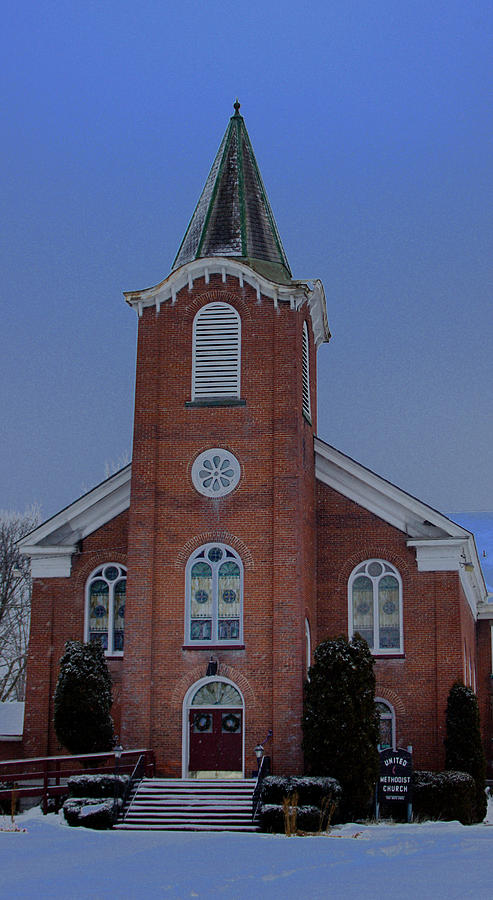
[430, 860]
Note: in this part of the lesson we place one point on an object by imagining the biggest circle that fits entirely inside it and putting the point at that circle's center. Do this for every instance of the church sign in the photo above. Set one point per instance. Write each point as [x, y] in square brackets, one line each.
[395, 775]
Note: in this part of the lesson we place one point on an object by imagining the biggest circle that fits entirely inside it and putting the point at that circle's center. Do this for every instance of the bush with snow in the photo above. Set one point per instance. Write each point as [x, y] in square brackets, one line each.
[98, 785]
[463, 745]
[83, 699]
[315, 800]
[450, 796]
[340, 722]
[92, 812]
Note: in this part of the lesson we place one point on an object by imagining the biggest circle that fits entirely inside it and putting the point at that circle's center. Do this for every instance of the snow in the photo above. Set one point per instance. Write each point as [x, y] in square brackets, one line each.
[11, 718]
[428, 860]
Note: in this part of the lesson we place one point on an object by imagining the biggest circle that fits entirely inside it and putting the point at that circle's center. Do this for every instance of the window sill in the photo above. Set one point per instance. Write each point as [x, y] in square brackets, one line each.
[213, 647]
[227, 401]
[398, 655]
[113, 655]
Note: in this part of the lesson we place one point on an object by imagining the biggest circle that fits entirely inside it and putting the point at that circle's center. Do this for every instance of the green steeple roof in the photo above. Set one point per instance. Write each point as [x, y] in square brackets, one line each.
[233, 216]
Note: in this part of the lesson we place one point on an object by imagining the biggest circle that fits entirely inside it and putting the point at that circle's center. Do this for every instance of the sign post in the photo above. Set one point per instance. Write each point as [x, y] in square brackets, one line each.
[394, 783]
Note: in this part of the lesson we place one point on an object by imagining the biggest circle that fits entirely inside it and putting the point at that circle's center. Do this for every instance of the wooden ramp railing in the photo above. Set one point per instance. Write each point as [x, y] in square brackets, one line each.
[46, 776]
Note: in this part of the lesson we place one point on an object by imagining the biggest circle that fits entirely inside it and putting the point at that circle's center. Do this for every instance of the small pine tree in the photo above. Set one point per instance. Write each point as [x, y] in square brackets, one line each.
[463, 746]
[340, 722]
[83, 699]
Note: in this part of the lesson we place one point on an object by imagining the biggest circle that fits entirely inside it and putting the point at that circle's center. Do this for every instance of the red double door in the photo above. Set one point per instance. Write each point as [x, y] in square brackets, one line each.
[216, 741]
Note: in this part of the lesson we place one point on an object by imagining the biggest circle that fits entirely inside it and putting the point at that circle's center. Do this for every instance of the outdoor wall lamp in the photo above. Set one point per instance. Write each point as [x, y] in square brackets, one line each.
[212, 667]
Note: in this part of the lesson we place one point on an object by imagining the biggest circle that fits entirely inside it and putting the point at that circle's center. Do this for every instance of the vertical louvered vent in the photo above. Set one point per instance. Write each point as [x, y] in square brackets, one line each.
[306, 374]
[216, 352]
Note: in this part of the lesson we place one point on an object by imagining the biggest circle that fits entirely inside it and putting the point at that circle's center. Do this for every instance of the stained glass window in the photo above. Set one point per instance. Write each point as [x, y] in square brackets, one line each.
[214, 595]
[386, 724]
[217, 693]
[375, 606]
[105, 606]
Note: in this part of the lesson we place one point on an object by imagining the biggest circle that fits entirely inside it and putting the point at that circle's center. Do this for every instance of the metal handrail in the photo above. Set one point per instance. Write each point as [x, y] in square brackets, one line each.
[263, 771]
[136, 776]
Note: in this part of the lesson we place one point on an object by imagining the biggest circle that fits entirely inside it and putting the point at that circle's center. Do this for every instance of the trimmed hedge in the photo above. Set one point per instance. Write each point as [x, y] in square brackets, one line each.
[98, 785]
[308, 818]
[315, 796]
[91, 812]
[444, 795]
[310, 789]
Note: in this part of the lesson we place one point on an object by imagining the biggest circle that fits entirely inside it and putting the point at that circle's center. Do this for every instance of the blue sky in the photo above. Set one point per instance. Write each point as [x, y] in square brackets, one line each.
[372, 126]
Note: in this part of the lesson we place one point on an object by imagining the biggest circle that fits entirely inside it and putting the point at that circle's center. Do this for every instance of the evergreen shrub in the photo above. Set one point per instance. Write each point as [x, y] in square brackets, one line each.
[317, 799]
[308, 818]
[98, 785]
[310, 790]
[340, 722]
[83, 699]
[444, 795]
[91, 812]
[463, 746]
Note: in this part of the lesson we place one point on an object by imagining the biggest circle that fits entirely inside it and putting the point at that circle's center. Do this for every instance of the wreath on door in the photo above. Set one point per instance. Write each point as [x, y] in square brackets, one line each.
[202, 722]
[231, 723]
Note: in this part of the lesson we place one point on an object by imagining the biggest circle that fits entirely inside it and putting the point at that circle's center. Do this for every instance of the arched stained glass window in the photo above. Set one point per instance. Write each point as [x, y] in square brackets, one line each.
[375, 606]
[105, 607]
[386, 716]
[216, 352]
[214, 587]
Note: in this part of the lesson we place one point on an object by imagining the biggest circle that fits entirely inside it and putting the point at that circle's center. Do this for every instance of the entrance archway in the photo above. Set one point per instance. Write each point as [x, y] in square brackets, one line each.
[213, 730]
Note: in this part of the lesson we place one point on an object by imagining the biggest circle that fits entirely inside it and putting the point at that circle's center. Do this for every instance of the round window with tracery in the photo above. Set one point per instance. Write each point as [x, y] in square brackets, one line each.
[215, 472]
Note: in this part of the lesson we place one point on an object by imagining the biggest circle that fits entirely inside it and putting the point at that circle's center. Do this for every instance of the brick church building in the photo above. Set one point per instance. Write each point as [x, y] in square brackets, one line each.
[237, 539]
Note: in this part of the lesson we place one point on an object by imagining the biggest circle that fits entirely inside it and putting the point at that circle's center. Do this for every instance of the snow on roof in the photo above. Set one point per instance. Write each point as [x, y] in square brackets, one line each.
[11, 719]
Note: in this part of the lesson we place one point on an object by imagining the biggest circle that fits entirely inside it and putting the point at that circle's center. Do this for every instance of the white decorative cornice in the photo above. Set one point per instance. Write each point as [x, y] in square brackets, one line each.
[296, 293]
[440, 544]
[51, 545]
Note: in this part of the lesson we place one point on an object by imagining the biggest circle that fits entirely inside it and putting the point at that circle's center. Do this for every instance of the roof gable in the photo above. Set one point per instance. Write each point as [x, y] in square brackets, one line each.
[51, 545]
[440, 544]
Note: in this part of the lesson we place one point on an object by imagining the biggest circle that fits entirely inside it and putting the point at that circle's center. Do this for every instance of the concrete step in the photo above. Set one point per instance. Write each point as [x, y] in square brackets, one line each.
[190, 805]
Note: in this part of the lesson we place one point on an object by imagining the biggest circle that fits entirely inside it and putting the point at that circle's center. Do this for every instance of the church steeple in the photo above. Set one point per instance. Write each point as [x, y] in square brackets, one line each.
[233, 217]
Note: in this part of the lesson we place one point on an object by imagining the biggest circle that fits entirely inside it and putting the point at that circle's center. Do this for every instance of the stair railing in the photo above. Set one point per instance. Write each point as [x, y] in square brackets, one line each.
[263, 771]
[136, 776]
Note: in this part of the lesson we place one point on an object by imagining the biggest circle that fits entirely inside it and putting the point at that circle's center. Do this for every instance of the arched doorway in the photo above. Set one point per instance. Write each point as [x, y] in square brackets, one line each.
[213, 730]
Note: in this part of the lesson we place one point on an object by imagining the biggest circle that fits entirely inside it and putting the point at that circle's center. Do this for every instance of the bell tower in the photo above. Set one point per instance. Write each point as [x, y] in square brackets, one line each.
[222, 516]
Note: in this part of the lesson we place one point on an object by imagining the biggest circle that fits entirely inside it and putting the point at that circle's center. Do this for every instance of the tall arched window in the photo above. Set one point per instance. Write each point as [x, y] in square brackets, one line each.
[216, 352]
[386, 717]
[308, 645]
[105, 607]
[375, 606]
[214, 596]
[305, 366]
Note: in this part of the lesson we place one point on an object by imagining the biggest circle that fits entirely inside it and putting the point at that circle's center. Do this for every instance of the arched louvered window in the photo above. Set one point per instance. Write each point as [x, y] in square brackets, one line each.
[216, 352]
[105, 607]
[305, 364]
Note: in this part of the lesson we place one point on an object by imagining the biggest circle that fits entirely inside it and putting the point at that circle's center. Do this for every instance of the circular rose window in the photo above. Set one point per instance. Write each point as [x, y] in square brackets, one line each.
[215, 472]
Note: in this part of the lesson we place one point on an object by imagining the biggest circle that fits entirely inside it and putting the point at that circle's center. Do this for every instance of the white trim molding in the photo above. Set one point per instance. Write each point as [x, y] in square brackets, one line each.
[190, 694]
[51, 545]
[296, 293]
[441, 545]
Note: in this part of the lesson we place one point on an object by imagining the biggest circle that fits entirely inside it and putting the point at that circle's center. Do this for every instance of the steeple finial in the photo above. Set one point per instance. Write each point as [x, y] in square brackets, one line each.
[236, 106]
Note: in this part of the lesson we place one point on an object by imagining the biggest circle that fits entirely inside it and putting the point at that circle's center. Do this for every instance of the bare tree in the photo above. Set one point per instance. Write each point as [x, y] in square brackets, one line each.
[15, 602]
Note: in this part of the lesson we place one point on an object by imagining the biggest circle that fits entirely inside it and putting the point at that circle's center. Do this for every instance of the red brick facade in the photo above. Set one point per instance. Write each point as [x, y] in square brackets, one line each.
[298, 538]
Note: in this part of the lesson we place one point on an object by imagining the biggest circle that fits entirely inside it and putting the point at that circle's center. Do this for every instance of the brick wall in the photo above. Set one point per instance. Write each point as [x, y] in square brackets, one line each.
[268, 519]
[57, 616]
[436, 617]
